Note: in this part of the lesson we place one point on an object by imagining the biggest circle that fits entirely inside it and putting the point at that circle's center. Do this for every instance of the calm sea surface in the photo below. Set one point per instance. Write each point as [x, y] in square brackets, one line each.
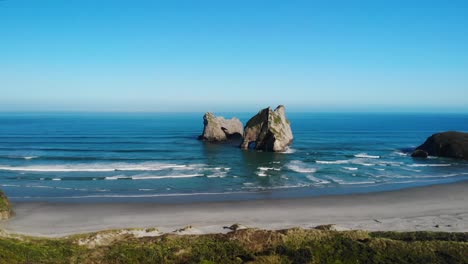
[156, 157]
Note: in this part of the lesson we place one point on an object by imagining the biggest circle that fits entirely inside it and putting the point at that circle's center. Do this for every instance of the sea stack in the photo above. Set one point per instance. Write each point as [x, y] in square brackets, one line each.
[268, 131]
[449, 144]
[5, 207]
[220, 129]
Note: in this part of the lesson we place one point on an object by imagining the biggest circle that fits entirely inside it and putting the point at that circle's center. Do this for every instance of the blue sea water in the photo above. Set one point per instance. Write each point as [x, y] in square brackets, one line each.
[70, 157]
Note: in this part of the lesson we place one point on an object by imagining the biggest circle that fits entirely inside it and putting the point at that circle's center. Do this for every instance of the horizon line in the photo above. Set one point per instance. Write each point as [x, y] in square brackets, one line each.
[239, 112]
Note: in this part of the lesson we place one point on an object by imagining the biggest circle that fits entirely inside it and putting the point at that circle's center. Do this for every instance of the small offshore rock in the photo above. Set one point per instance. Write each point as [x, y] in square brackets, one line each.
[449, 144]
[221, 129]
[419, 153]
[268, 131]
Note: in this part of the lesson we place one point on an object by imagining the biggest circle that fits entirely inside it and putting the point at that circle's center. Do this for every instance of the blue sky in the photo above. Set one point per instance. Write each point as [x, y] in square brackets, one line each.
[233, 55]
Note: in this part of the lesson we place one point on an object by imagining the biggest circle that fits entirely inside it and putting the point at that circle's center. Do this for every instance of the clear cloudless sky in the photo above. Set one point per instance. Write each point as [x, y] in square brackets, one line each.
[233, 55]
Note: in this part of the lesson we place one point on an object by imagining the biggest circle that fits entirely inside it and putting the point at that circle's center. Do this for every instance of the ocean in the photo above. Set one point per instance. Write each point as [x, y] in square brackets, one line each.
[139, 157]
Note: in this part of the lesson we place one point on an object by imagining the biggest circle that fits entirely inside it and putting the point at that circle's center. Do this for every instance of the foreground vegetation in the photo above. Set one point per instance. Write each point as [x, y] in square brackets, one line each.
[242, 246]
[5, 206]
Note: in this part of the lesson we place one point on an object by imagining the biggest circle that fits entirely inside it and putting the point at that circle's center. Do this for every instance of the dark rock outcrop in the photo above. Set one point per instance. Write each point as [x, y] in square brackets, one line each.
[419, 153]
[220, 129]
[447, 144]
[5, 207]
[268, 131]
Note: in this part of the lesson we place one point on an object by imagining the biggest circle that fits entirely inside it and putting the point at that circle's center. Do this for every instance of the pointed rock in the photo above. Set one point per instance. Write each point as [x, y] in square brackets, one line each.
[268, 131]
[220, 129]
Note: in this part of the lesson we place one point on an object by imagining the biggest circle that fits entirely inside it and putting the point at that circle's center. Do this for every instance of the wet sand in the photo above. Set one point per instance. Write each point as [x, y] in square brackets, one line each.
[436, 208]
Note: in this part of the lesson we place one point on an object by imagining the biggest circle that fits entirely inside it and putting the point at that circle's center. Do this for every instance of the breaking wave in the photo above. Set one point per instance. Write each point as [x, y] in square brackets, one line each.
[366, 156]
[97, 167]
[300, 166]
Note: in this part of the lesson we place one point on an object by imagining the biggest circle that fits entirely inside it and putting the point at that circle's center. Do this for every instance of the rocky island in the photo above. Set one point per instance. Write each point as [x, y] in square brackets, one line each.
[220, 129]
[269, 130]
[449, 144]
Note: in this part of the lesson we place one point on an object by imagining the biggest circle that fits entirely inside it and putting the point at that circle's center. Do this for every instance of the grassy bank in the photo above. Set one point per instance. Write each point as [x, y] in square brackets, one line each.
[242, 246]
[5, 206]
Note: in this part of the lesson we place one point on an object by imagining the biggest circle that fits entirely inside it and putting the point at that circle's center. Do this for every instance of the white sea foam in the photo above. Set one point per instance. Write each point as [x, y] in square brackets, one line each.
[178, 167]
[104, 167]
[391, 163]
[409, 169]
[150, 177]
[219, 174]
[440, 176]
[352, 183]
[268, 168]
[288, 151]
[332, 161]
[39, 186]
[29, 157]
[430, 165]
[350, 168]
[65, 188]
[262, 171]
[317, 180]
[342, 182]
[56, 179]
[10, 185]
[335, 180]
[364, 164]
[300, 166]
[426, 176]
[366, 156]
[116, 177]
[219, 169]
[261, 188]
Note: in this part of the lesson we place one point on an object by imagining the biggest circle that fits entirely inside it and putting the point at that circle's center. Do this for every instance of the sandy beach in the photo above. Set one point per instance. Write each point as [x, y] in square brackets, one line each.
[437, 208]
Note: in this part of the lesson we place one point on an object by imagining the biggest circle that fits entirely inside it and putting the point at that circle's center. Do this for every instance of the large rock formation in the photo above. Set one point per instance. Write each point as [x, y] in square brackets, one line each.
[220, 129]
[5, 207]
[447, 144]
[268, 131]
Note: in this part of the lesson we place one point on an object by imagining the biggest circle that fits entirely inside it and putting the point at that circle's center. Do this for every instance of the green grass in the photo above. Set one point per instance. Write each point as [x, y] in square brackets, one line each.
[246, 246]
[4, 203]
[40, 251]
[5, 206]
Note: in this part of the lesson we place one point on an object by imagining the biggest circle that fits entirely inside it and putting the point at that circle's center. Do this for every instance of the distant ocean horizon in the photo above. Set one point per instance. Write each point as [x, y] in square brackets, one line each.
[94, 157]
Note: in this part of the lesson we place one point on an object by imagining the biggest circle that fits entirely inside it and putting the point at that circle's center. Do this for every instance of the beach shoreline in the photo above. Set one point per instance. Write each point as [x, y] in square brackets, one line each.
[432, 208]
